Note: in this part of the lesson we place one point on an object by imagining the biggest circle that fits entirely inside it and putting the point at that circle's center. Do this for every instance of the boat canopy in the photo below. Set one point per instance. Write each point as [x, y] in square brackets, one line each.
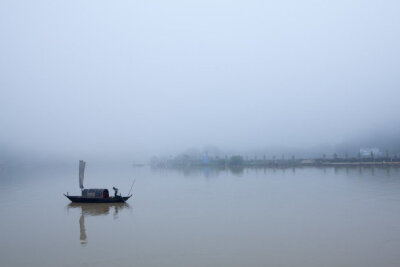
[95, 193]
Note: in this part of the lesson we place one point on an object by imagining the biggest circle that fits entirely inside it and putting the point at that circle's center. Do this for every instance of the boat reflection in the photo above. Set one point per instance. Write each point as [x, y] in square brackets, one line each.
[88, 210]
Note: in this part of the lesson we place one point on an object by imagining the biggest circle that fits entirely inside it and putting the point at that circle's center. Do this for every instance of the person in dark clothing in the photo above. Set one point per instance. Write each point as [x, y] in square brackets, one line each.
[115, 191]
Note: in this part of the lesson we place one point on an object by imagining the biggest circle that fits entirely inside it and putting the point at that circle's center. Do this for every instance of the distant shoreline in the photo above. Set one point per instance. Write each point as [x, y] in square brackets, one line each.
[282, 163]
[370, 163]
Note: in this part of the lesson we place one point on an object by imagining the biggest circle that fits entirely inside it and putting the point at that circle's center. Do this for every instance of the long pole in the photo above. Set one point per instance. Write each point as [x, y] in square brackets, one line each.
[131, 187]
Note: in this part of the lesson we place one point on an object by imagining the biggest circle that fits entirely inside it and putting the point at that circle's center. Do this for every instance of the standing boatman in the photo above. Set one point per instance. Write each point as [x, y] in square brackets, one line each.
[115, 191]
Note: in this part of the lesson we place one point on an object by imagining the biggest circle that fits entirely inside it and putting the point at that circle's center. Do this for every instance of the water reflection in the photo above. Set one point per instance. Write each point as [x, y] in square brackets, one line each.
[236, 170]
[215, 171]
[88, 210]
[305, 217]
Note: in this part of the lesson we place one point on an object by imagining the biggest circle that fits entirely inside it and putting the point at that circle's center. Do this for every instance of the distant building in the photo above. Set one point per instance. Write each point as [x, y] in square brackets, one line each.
[307, 162]
[367, 152]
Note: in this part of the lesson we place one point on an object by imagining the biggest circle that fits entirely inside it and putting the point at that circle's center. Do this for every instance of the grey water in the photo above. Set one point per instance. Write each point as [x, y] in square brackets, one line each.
[202, 217]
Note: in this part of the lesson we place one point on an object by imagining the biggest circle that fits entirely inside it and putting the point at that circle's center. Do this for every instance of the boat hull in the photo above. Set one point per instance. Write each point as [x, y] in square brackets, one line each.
[79, 199]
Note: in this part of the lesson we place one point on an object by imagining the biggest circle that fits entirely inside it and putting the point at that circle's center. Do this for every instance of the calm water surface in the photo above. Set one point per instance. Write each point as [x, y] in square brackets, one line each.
[252, 217]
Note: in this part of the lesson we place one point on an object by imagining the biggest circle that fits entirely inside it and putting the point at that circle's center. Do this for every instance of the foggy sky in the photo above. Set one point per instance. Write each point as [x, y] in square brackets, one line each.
[144, 77]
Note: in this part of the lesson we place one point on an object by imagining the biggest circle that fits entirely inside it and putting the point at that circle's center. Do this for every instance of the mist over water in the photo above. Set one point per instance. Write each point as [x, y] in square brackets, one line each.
[132, 80]
[257, 217]
[228, 101]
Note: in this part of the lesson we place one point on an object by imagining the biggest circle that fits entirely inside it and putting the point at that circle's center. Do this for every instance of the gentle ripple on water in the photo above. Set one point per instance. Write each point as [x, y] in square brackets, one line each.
[203, 217]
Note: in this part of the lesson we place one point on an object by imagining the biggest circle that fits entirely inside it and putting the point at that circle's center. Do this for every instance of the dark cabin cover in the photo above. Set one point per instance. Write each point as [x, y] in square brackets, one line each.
[95, 193]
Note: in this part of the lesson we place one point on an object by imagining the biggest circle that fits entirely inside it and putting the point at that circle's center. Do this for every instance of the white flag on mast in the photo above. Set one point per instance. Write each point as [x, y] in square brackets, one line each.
[81, 172]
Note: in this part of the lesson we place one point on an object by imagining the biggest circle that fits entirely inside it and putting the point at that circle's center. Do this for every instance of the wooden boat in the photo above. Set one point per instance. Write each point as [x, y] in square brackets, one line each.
[95, 195]
[81, 199]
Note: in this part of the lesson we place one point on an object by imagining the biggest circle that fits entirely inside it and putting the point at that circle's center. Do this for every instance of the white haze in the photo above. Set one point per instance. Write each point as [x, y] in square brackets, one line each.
[138, 78]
